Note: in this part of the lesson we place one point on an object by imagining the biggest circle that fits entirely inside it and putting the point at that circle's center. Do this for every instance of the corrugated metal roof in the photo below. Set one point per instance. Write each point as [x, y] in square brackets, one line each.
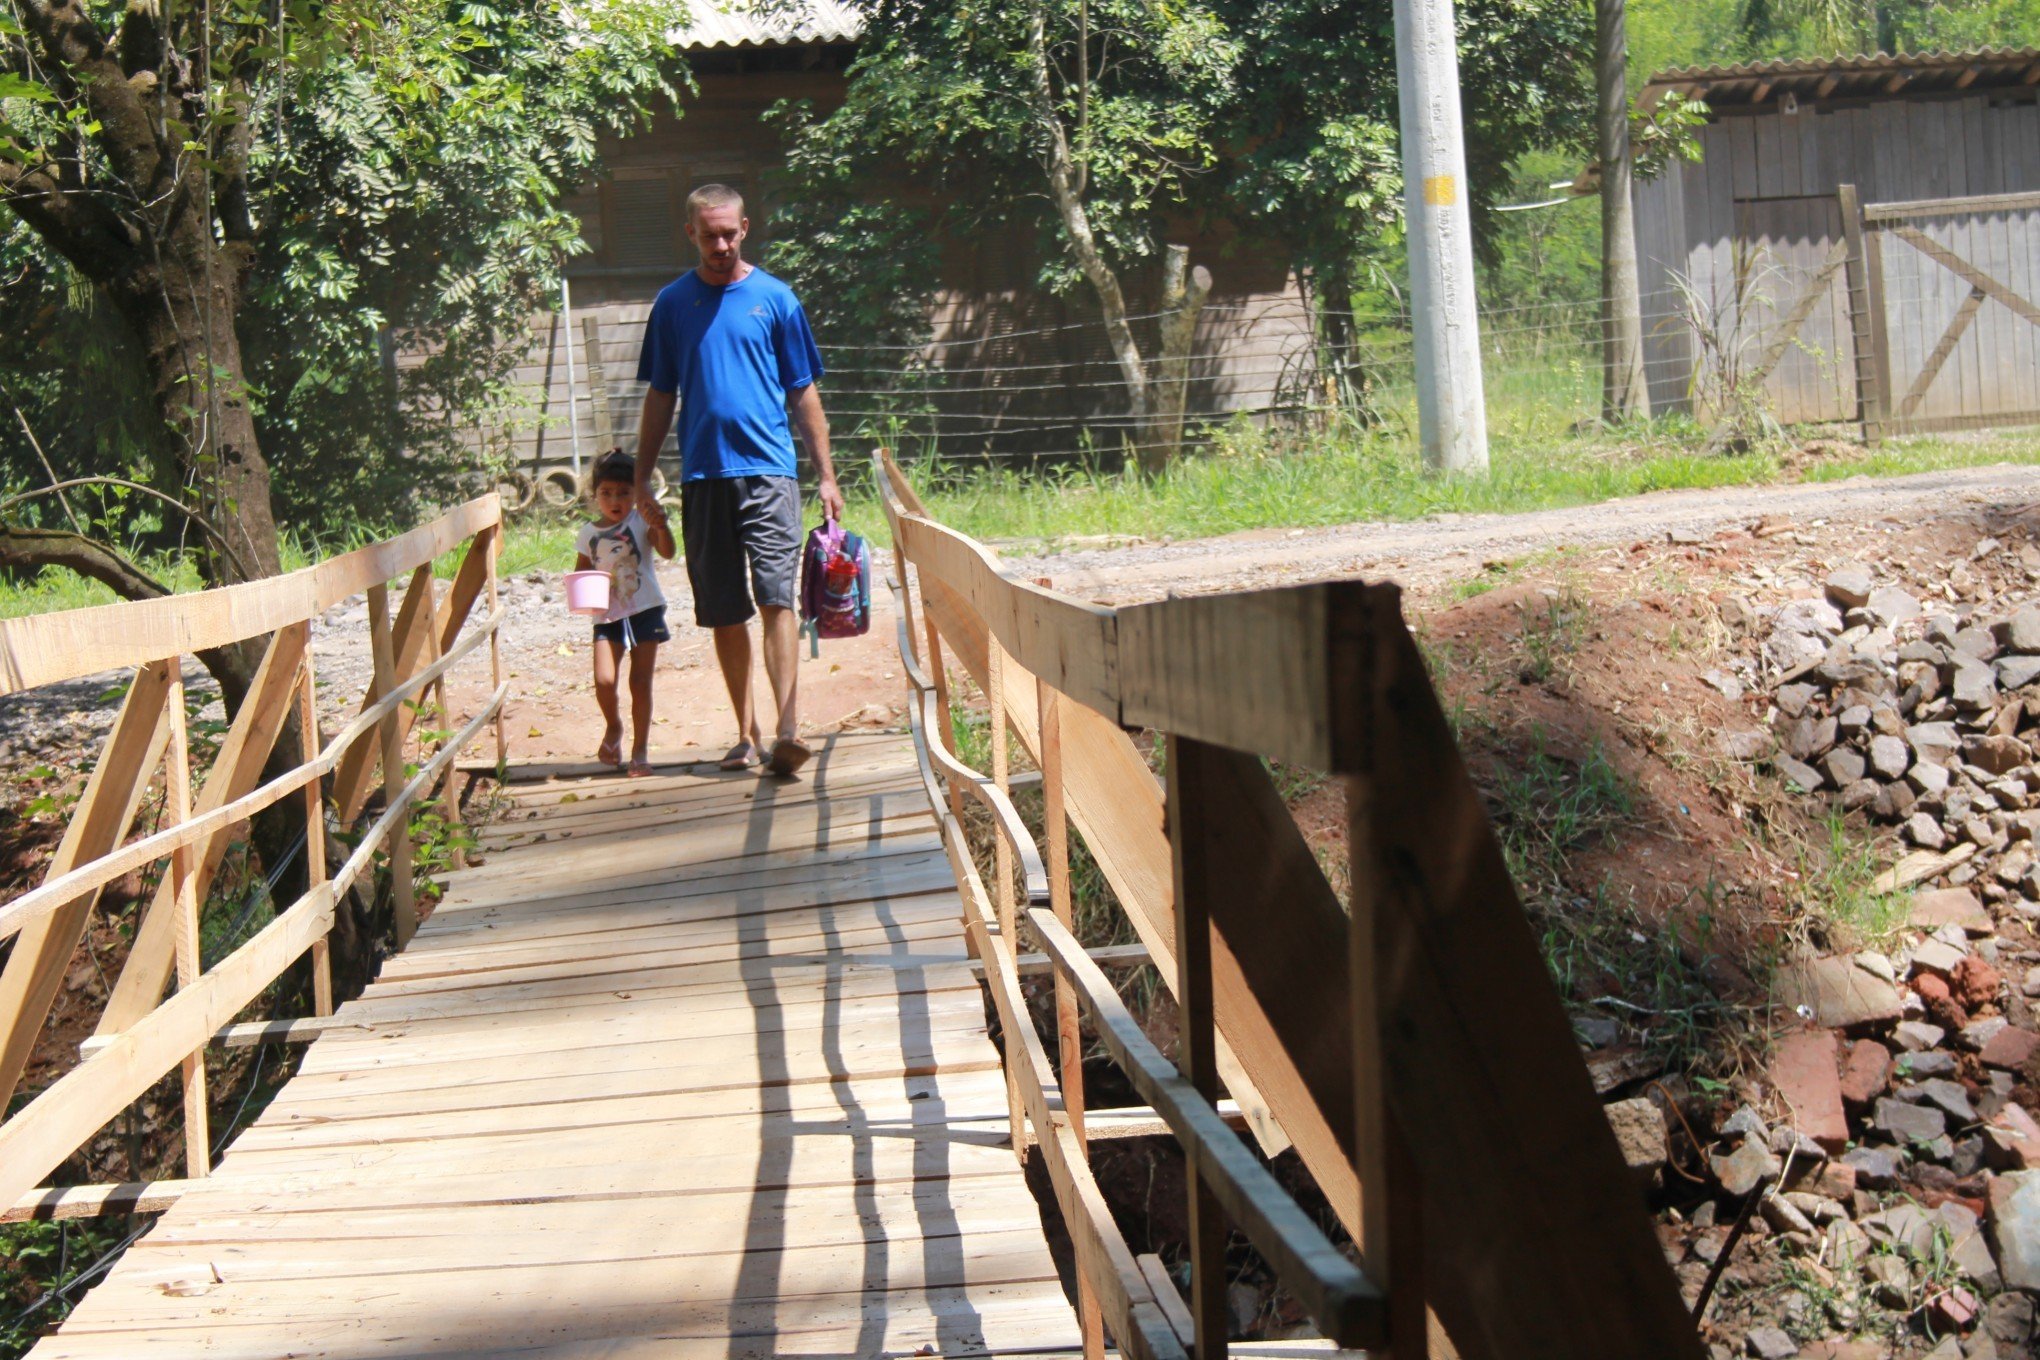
[1878, 76]
[741, 23]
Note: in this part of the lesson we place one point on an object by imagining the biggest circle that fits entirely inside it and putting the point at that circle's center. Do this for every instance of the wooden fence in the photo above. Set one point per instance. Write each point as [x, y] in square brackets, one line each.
[1413, 1048]
[142, 1036]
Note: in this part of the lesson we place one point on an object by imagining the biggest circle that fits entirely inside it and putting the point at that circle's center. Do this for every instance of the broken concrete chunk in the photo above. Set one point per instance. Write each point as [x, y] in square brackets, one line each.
[2021, 632]
[1792, 699]
[1742, 1170]
[1809, 618]
[1932, 909]
[2017, 672]
[1843, 767]
[1640, 1132]
[2011, 1140]
[1867, 1072]
[1799, 774]
[1928, 779]
[1977, 1034]
[1995, 755]
[2009, 1049]
[1745, 743]
[1804, 1071]
[1934, 956]
[1890, 757]
[1907, 1123]
[2015, 1227]
[1850, 587]
[1976, 643]
[1934, 1062]
[1975, 686]
[1922, 830]
[1949, 1097]
[1876, 1168]
[1838, 993]
[1893, 606]
[1916, 1036]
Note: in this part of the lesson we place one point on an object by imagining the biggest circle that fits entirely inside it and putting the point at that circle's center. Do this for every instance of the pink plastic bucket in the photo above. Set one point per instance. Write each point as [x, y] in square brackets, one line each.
[587, 592]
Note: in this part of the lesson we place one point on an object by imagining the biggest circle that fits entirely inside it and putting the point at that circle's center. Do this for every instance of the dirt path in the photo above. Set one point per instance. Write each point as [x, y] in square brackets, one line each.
[1432, 552]
[855, 685]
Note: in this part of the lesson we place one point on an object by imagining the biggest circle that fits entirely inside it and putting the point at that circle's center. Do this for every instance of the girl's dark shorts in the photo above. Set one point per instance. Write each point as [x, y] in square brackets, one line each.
[647, 625]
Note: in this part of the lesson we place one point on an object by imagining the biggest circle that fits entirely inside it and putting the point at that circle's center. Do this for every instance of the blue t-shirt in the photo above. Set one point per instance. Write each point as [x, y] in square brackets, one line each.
[732, 352]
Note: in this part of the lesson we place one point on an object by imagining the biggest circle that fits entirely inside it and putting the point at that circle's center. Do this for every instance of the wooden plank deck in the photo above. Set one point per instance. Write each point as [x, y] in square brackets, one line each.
[687, 1066]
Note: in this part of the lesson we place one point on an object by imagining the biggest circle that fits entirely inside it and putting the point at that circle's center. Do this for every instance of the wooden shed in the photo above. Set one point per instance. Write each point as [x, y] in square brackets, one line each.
[1905, 308]
[1011, 370]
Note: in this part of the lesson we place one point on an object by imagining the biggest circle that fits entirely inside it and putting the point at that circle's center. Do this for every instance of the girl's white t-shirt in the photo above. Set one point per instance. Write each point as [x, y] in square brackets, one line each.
[623, 550]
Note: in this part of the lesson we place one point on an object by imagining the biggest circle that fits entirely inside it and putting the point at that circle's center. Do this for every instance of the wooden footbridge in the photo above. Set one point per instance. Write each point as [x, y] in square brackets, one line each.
[698, 1065]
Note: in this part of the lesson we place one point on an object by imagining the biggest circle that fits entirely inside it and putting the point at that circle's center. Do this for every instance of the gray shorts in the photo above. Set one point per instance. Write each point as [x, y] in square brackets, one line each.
[730, 524]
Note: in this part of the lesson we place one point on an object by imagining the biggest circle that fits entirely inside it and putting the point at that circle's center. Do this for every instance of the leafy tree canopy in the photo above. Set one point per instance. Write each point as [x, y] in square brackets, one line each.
[393, 171]
[1274, 117]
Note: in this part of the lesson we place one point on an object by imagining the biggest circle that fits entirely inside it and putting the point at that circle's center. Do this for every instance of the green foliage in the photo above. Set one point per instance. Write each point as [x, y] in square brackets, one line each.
[1272, 122]
[405, 169]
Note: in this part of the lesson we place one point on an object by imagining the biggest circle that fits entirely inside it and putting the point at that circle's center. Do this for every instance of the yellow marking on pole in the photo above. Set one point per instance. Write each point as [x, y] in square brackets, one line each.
[1441, 190]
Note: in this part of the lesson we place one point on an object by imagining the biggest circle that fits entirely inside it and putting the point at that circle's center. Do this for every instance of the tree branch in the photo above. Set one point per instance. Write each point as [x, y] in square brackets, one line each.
[205, 525]
[25, 548]
[73, 42]
[75, 223]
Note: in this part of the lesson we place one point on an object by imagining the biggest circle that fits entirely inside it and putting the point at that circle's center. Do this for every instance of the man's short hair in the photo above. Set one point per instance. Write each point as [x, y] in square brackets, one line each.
[713, 196]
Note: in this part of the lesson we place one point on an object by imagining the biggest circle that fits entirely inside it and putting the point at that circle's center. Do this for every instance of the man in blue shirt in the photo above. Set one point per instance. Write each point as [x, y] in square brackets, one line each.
[730, 346]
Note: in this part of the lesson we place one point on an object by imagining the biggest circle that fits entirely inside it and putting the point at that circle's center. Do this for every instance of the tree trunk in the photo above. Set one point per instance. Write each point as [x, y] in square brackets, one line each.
[1069, 205]
[1183, 293]
[1624, 394]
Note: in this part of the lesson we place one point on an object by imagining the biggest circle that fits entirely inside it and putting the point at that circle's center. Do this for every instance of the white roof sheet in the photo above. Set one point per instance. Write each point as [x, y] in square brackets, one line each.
[775, 23]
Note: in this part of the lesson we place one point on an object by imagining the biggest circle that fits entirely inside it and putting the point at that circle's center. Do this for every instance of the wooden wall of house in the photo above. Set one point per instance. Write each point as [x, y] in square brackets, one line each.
[1012, 370]
[1756, 216]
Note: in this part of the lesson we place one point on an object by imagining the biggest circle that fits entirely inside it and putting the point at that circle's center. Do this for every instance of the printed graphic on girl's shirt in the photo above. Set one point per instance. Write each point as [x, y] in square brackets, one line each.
[616, 552]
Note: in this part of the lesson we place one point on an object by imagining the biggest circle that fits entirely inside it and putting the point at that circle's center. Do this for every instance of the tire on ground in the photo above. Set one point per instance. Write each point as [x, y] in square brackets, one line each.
[557, 489]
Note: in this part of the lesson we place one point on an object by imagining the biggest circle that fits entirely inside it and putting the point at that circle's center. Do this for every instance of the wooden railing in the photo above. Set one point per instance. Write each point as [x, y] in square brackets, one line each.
[1412, 1049]
[141, 1035]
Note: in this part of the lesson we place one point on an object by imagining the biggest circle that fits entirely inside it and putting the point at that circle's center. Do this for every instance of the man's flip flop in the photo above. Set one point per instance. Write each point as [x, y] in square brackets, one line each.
[788, 755]
[741, 757]
[640, 769]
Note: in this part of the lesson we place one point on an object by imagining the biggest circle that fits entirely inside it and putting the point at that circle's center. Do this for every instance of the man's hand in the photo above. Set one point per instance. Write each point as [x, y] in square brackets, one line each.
[648, 506]
[831, 497]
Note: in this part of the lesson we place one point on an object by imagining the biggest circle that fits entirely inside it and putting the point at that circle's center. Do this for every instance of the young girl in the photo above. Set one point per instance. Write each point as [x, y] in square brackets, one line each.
[621, 542]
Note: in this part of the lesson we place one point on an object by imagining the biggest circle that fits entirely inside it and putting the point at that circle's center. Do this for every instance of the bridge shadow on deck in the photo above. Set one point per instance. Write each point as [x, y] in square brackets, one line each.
[531, 1139]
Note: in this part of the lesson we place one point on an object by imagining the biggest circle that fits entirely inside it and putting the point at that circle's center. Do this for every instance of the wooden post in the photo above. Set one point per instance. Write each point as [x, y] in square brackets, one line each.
[399, 843]
[1068, 1021]
[315, 836]
[945, 729]
[598, 384]
[184, 879]
[1389, 1211]
[449, 792]
[1872, 392]
[1002, 888]
[495, 549]
[1197, 1037]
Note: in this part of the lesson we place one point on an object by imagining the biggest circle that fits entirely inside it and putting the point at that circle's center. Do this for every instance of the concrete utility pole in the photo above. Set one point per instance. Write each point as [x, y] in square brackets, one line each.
[1451, 406]
[1623, 392]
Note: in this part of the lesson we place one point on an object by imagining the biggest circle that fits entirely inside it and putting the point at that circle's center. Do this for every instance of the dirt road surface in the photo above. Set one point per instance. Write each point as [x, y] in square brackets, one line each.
[856, 684]
[1434, 551]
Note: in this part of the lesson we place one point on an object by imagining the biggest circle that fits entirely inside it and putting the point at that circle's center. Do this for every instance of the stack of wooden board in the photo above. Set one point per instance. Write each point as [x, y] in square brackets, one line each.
[684, 1066]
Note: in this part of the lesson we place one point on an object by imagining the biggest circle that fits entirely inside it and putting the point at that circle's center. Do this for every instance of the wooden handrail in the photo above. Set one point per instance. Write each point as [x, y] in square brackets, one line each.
[142, 1035]
[1355, 1027]
[53, 893]
[43, 649]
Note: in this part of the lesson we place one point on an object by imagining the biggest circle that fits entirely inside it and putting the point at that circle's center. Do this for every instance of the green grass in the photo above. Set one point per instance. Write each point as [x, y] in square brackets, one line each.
[1252, 480]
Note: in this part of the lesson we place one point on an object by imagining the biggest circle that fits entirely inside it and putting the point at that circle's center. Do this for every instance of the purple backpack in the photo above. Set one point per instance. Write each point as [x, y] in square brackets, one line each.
[835, 584]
